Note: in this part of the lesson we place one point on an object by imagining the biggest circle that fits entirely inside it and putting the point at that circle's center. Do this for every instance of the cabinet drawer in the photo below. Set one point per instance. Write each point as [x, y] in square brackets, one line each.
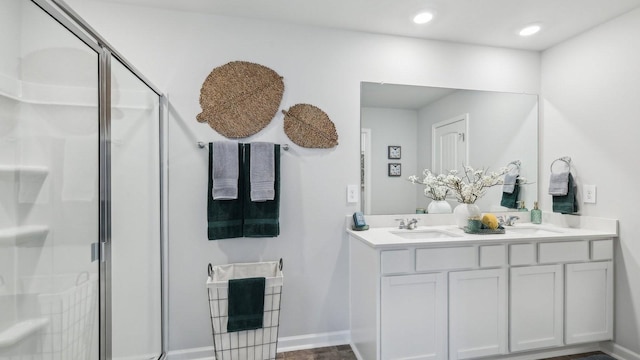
[493, 256]
[395, 261]
[563, 251]
[446, 258]
[602, 250]
[522, 254]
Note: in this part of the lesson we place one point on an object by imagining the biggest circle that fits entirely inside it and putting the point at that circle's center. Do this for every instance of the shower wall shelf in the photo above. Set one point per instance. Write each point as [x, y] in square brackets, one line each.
[23, 169]
[23, 235]
[21, 330]
[76, 96]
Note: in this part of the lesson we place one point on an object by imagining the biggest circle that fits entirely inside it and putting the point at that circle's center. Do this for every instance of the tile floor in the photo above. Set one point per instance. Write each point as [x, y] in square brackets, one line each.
[343, 352]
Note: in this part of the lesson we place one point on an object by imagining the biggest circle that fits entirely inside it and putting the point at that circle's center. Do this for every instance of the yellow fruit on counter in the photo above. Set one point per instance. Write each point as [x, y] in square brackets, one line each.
[490, 221]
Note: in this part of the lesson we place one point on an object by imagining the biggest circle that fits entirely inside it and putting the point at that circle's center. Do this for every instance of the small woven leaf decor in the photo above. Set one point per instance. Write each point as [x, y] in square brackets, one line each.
[240, 98]
[310, 127]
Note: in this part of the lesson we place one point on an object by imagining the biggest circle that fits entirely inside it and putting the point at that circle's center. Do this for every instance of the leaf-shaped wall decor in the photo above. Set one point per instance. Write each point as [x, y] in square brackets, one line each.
[240, 98]
[310, 127]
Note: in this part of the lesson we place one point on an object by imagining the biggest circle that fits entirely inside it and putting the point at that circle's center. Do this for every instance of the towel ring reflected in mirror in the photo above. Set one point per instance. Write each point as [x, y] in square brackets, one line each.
[514, 167]
[564, 159]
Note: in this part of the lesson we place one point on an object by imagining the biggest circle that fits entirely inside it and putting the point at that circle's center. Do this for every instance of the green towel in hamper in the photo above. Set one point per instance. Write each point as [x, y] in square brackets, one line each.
[246, 304]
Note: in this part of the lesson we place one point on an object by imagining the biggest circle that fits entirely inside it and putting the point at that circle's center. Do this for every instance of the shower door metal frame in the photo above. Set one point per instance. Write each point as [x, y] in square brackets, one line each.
[69, 19]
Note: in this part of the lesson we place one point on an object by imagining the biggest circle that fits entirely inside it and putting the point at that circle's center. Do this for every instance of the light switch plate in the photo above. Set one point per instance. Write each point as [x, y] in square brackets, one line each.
[589, 194]
[352, 194]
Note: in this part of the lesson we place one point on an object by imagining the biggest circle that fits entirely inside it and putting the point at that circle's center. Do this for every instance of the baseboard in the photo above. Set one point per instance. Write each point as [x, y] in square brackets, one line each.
[310, 341]
[291, 343]
[619, 352]
[202, 353]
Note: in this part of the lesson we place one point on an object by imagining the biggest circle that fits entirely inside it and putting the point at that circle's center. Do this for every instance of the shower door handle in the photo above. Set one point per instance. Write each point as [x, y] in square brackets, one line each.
[95, 251]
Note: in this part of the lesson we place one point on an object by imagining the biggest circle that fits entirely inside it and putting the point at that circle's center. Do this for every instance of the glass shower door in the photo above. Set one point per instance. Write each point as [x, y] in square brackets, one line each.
[49, 193]
[136, 292]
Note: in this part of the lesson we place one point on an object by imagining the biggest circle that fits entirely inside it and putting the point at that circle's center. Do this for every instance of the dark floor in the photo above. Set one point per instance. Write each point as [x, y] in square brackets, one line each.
[343, 352]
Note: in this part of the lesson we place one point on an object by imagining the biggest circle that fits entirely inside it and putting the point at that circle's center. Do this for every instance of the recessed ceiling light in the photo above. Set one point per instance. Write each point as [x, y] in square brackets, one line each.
[530, 30]
[423, 17]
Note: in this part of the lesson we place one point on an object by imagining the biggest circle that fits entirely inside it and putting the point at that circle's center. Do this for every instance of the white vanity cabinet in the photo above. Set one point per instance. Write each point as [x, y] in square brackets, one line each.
[477, 313]
[472, 298]
[536, 307]
[414, 317]
[589, 302]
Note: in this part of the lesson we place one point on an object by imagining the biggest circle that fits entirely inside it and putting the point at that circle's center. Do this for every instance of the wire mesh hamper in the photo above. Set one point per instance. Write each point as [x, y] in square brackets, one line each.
[69, 302]
[258, 344]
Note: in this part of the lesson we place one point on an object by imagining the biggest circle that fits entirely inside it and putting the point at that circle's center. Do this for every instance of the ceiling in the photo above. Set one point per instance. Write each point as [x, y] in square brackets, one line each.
[400, 96]
[482, 22]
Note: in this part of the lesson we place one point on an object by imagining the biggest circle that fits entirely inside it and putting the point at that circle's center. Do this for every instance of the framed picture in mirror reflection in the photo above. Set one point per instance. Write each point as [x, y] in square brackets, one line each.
[393, 152]
[395, 169]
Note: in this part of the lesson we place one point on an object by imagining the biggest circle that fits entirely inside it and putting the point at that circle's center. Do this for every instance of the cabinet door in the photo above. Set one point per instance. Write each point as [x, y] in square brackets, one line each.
[477, 313]
[589, 303]
[414, 317]
[536, 294]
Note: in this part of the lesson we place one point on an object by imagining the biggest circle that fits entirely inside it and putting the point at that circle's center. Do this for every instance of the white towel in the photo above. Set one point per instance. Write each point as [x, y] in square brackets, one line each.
[559, 184]
[225, 170]
[510, 181]
[262, 171]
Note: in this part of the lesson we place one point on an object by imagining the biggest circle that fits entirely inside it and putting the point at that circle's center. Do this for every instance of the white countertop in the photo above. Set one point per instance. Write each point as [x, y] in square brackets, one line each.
[557, 227]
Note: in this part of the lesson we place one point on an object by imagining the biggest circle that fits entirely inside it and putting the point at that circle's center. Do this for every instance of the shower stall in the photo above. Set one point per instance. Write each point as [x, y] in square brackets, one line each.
[81, 193]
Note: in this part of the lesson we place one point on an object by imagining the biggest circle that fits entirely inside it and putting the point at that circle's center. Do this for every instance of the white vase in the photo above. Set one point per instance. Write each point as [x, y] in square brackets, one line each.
[439, 207]
[463, 212]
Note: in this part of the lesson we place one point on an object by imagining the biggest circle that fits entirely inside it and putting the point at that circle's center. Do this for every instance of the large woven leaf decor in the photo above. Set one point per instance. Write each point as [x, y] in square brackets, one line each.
[240, 98]
[310, 127]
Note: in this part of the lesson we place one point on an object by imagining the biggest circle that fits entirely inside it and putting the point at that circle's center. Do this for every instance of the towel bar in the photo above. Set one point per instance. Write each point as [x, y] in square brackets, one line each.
[202, 145]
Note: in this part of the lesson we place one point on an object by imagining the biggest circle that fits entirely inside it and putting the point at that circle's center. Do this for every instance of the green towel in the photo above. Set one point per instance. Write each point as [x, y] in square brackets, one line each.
[246, 304]
[224, 217]
[567, 204]
[511, 200]
[261, 219]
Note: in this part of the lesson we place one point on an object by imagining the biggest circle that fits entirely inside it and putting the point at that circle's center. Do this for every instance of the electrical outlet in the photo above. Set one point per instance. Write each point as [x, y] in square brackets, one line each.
[352, 194]
[589, 194]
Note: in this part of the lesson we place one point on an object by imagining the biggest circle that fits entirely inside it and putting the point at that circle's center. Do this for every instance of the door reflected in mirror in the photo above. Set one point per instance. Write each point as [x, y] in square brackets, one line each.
[442, 129]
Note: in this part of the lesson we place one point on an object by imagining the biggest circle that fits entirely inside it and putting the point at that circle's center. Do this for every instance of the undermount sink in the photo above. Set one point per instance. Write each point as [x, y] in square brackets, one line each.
[531, 230]
[423, 234]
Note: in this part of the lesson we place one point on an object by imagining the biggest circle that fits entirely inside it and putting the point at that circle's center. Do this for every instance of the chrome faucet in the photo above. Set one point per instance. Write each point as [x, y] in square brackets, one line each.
[509, 220]
[407, 224]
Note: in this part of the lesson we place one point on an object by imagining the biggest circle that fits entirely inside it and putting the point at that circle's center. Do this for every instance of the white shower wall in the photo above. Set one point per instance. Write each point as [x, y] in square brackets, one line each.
[49, 284]
[49, 188]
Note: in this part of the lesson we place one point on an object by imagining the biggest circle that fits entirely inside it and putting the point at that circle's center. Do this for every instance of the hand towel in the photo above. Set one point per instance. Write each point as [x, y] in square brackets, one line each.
[261, 219]
[509, 182]
[559, 183]
[224, 217]
[225, 170]
[567, 204]
[262, 172]
[510, 200]
[246, 304]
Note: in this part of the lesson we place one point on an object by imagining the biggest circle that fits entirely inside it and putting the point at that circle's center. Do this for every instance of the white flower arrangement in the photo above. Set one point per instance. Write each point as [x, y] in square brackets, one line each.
[467, 188]
[433, 186]
[472, 185]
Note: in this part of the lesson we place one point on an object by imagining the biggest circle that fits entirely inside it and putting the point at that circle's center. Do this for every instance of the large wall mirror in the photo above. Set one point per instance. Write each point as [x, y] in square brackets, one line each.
[492, 129]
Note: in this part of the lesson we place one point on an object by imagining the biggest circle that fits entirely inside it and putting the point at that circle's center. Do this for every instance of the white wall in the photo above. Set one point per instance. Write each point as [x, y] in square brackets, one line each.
[177, 50]
[389, 194]
[591, 91]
